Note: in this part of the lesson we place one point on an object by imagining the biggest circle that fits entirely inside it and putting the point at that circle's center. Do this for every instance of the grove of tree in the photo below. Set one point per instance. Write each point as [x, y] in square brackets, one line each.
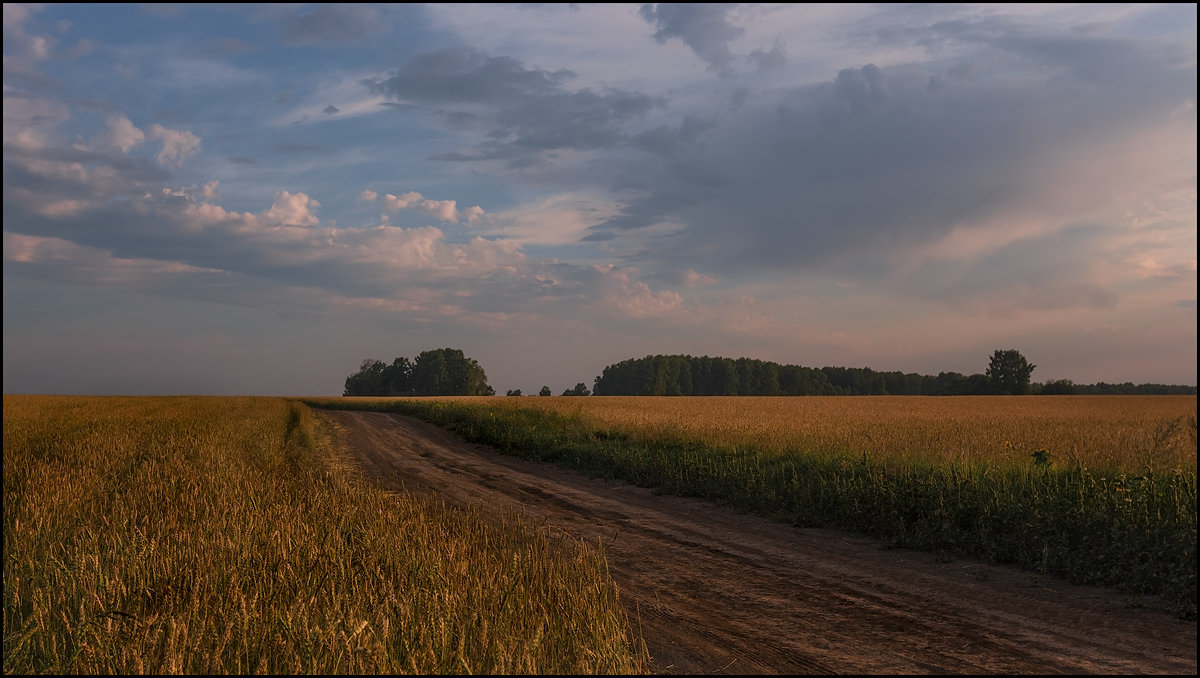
[438, 372]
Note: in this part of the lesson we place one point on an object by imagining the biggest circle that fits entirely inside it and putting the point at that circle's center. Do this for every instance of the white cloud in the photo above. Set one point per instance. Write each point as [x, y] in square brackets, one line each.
[292, 209]
[473, 215]
[445, 210]
[177, 144]
[123, 134]
[617, 290]
[559, 219]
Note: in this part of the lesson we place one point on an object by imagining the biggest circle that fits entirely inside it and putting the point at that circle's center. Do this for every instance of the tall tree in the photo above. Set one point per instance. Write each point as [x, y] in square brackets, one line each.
[1008, 373]
[447, 371]
[397, 378]
[367, 381]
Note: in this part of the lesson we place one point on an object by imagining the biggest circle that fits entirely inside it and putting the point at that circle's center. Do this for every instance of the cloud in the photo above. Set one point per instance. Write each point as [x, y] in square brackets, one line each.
[703, 27]
[666, 140]
[177, 144]
[632, 297]
[445, 210]
[769, 60]
[338, 23]
[122, 134]
[26, 47]
[682, 278]
[870, 164]
[708, 30]
[293, 210]
[175, 241]
[82, 265]
[464, 75]
[473, 214]
[525, 113]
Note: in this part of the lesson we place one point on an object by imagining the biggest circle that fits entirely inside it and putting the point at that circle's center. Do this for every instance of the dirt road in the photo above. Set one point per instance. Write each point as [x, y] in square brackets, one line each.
[718, 591]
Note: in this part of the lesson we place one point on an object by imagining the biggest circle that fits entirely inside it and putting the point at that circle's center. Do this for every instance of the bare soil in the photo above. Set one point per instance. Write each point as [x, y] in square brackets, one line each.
[713, 590]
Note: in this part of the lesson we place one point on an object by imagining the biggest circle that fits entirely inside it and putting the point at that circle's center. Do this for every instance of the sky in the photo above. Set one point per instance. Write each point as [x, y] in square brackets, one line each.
[253, 199]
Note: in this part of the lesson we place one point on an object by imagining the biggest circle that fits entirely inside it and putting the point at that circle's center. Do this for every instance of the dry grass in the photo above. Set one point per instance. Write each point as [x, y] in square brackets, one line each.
[222, 535]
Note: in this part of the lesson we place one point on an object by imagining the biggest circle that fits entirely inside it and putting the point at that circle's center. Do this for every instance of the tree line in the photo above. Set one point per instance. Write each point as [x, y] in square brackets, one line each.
[441, 371]
[1008, 373]
[447, 371]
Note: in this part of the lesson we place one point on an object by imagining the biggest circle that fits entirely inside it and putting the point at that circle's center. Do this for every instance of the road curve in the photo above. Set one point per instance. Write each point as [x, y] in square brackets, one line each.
[716, 591]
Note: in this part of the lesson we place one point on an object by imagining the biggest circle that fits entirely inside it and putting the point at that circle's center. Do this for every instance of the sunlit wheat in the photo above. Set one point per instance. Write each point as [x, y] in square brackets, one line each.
[225, 535]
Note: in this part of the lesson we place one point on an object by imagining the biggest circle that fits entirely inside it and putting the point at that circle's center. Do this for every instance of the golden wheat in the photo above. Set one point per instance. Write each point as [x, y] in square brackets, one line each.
[225, 535]
[1129, 432]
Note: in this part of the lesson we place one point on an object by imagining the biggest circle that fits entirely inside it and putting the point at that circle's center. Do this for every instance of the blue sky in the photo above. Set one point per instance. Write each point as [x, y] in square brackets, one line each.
[251, 199]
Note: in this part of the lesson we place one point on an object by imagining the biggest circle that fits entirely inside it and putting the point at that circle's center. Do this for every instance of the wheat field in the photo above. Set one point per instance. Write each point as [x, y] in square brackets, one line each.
[228, 536]
[1127, 432]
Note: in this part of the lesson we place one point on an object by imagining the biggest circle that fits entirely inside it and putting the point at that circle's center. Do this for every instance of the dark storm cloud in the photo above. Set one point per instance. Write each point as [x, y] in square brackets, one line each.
[771, 59]
[464, 75]
[667, 140]
[524, 113]
[703, 27]
[877, 160]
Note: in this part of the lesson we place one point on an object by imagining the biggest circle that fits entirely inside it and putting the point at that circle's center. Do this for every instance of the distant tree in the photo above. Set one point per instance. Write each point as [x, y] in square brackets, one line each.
[1058, 387]
[707, 376]
[1008, 373]
[367, 381]
[513, 392]
[443, 371]
[545, 391]
[580, 389]
[977, 384]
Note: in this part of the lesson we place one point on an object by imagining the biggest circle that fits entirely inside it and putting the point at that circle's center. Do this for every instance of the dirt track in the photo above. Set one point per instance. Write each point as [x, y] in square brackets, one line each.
[718, 591]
